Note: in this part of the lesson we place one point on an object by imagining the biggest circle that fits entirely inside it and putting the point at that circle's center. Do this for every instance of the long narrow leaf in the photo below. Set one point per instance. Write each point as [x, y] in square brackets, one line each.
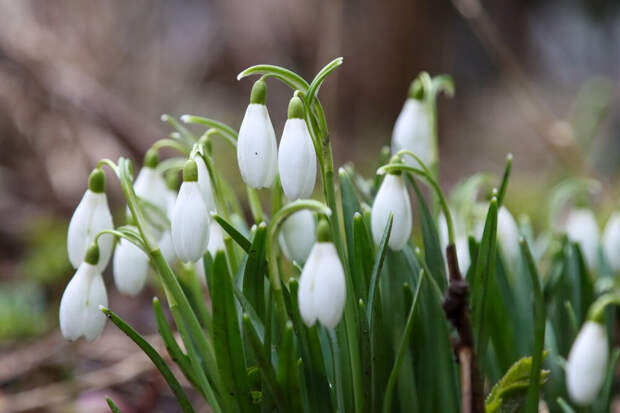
[155, 357]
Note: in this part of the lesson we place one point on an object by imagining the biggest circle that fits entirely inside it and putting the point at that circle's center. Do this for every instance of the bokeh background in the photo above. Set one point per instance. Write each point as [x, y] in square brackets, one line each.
[84, 80]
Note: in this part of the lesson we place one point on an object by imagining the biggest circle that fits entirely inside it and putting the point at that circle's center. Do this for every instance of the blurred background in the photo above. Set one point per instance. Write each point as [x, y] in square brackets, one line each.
[80, 81]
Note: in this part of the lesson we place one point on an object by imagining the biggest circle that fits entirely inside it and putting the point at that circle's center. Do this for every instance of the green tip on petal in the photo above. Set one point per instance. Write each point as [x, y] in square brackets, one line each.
[259, 92]
[295, 108]
[416, 90]
[190, 171]
[322, 232]
[92, 254]
[96, 181]
[172, 180]
[151, 159]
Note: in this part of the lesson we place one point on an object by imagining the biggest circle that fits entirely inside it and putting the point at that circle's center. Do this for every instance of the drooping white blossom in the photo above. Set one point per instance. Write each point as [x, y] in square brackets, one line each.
[587, 363]
[322, 289]
[412, 131]
[581, 228]
[79, 306]
[611, 241]
[204, 180]
[91, 216]
[131, 266]
[257, 151]
[508, 234]
[190, 218]
[296, 156]
[297, 236]
[151, 187]
[216, 238]
[392, 198]
[165, 242]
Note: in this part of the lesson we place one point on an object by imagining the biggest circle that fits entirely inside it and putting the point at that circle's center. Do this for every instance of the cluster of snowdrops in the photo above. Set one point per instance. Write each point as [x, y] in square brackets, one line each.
[333, 262]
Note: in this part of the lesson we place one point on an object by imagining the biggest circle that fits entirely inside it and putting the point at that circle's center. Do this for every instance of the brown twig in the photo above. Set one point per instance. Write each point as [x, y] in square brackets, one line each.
[456, 307]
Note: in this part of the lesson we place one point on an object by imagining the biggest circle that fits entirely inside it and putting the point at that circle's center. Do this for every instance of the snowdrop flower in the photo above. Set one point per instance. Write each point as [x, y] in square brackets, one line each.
[297, 235]
[392, 198]
[199, 267]
[296, 157]
[322, 290]
[257, 151]
[216, 238]
[587, 363]
[165, 243]
[204, 181]
[508, 234]
[91, 216]
[131, 266]
[611, 241]
[151, 187]
[190, 218]
[79, 306]
[581, 227]
[412, 131]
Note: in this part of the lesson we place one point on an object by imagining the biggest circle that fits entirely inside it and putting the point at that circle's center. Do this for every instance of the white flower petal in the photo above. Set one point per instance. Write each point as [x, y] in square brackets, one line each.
[611, 241]
[131, 266]
[216, 239]
[581, 227]
[508, 235]
[322, 289]
[151, 186]
[94, 321]
[167, 248]
[84, 292]
[297, 160]
[392, 198]
[587, 363]
[330, 291]
[412, 131]
[91, 216]
[204, 180]
[297, 236]
[200, 271]
[190, 223]
[257, 148]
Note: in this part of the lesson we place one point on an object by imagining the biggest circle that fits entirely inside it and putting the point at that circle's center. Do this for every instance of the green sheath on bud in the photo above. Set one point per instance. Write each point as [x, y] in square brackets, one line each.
[295, 108]
[172, 180]
[322, 232]
[96, 181]
[92, 254]
[151, 159]
[259, 92]
[416, 90]
[190, 171]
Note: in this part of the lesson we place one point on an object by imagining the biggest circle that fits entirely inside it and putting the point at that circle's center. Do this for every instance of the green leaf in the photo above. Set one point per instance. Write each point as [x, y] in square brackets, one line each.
[176, 354]
[155, 357]
[603, 402]
[254, 271]
[533, 392]
[226, 131]
[113, 407]
[402, 349]
[362, 253]
[264, 362]
[432, 248]
[238, 237]
[484, 272]
[290, 78]
[510, 392]
[313, 90]
[227, 337]
[376, 271]
[287, 373]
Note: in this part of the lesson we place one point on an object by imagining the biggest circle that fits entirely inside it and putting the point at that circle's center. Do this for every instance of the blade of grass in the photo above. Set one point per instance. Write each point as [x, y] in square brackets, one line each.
[533, 393]
[402, 347]
[155, 357]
